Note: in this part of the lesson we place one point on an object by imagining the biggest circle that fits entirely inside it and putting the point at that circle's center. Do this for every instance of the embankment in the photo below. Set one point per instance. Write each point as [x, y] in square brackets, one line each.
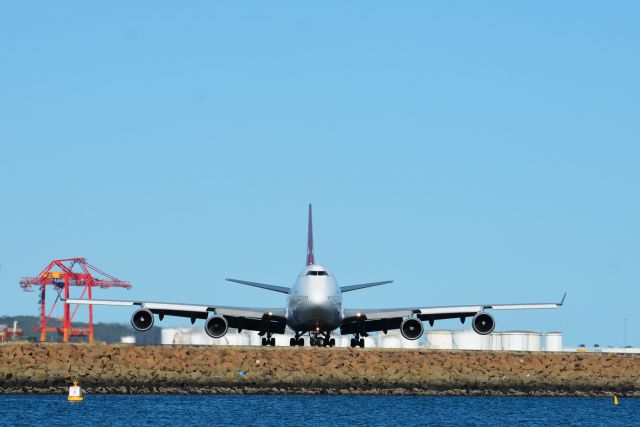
[106, 368]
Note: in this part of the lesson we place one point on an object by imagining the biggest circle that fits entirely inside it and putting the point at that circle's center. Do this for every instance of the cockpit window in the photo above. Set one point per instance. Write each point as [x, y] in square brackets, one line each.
[317, 273]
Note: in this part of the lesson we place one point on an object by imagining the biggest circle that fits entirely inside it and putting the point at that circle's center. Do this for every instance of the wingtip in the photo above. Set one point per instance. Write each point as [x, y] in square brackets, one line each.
[563, 297]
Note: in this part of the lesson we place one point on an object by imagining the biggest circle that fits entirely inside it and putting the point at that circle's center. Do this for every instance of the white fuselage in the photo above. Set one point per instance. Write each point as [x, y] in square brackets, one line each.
[315, 301]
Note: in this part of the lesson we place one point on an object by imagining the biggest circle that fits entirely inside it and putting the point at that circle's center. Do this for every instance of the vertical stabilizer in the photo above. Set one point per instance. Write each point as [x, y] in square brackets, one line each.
[310, 259]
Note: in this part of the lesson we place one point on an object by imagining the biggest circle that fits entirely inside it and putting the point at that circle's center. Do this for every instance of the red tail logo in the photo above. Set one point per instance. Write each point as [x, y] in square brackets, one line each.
[310, 259]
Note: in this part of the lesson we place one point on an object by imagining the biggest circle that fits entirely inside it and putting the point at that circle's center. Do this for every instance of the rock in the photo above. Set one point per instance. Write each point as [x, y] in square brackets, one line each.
[189, 369]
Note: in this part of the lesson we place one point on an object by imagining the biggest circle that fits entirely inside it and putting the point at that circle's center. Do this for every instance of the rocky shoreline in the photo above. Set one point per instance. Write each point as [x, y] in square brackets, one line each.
[127, 369]
[318, 391]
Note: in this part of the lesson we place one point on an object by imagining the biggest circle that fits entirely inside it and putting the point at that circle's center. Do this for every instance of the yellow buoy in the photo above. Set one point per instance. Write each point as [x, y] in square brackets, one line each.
[615, 400]
[75, 393]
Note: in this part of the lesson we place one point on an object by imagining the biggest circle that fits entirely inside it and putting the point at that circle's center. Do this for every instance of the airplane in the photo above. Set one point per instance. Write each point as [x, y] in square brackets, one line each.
[314, 307]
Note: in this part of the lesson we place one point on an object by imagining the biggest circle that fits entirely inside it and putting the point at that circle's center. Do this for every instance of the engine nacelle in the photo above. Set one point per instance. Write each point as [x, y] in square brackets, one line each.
[216, 326]
[142, 320]
[483, 323]
[411, 328]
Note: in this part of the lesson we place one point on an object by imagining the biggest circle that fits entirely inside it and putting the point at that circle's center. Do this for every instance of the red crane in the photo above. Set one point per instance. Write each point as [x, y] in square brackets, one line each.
[61, 274]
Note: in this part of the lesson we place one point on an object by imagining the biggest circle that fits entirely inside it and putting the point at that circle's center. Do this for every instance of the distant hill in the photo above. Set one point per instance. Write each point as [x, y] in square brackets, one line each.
[106, 332]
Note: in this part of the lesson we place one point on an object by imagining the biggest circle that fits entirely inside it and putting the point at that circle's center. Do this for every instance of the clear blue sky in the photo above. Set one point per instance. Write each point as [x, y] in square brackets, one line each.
[473, 152]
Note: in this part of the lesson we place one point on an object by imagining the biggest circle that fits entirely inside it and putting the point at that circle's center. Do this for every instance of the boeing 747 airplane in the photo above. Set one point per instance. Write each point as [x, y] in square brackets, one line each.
[314, 307]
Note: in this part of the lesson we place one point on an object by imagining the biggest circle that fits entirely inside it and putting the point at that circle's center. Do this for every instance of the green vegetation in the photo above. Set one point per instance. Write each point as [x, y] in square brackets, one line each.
[105, 332]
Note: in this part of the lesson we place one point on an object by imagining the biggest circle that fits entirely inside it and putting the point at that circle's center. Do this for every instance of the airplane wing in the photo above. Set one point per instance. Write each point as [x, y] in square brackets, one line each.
[372, 320]
[350, 288]
[275, 288]
[249, 318]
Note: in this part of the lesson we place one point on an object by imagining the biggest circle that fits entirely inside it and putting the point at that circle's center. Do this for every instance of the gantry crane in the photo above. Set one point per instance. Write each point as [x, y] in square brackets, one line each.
[62, 274]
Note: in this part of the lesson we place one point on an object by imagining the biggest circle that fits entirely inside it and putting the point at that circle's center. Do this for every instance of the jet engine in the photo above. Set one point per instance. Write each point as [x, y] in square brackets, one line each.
[142, 320]
[411, 328]
[216, 326]
[483, 323]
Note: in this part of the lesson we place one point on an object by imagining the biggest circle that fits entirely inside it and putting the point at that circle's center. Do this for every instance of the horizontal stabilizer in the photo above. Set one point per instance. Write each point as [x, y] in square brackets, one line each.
[363, 285]
[275, 288]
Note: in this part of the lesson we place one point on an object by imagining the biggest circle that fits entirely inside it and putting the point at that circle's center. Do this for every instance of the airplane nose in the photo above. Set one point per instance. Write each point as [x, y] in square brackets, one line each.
[318, 310]
[317, 299]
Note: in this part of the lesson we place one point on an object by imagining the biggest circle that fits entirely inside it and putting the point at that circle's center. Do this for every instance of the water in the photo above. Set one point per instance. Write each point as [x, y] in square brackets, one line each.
[160, 410]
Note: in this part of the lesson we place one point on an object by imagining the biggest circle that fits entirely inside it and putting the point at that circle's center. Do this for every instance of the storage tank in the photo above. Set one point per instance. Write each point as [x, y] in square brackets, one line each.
[167, 336]
[198, 337]
[515, 340]
[283, 340]
[233, 338]
[439, 339]
[175, 335]
[369, 342]
[389, 340]
[496, 341]
[343, 341]
[410, 343]
[553, 341]
[254, 338]
[128, 339]
[534, 341]
[468, 339]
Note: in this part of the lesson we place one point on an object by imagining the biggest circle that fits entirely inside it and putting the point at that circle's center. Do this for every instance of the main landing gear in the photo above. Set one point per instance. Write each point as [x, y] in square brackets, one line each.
[269, 340]
[297, 340]
[356, 341]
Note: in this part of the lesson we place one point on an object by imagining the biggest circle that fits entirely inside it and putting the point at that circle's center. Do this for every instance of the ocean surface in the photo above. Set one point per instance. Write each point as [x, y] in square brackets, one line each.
[161, 410]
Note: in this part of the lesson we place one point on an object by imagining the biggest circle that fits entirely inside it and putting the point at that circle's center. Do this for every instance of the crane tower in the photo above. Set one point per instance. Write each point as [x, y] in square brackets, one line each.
[62, 275]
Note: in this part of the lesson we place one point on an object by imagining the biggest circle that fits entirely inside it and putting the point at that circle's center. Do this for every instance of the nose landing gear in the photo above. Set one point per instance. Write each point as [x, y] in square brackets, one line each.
[318, 339]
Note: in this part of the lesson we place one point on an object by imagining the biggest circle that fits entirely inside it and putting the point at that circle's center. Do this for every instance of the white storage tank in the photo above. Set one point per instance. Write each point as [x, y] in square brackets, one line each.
[439, 339]
[394, 339]
[390, 340]
[283, 340]
[192, 336]
[129, 339]
[369, 342]
[196, 337]
[534, 341]
[515, 341]
[254, 338]
[343, 341]
[175, 335]
[553, 341]
[231, 338]
[468, 339]
[496, 341]
[410, 343]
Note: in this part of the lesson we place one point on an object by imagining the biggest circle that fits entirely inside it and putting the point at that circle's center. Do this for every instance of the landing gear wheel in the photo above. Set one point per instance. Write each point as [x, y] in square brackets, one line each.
[353, 342]
[272, 342]
[312, 342]
[332, 342]
[264, 341]
[301, 342]
[361, 342]
[293, 342]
